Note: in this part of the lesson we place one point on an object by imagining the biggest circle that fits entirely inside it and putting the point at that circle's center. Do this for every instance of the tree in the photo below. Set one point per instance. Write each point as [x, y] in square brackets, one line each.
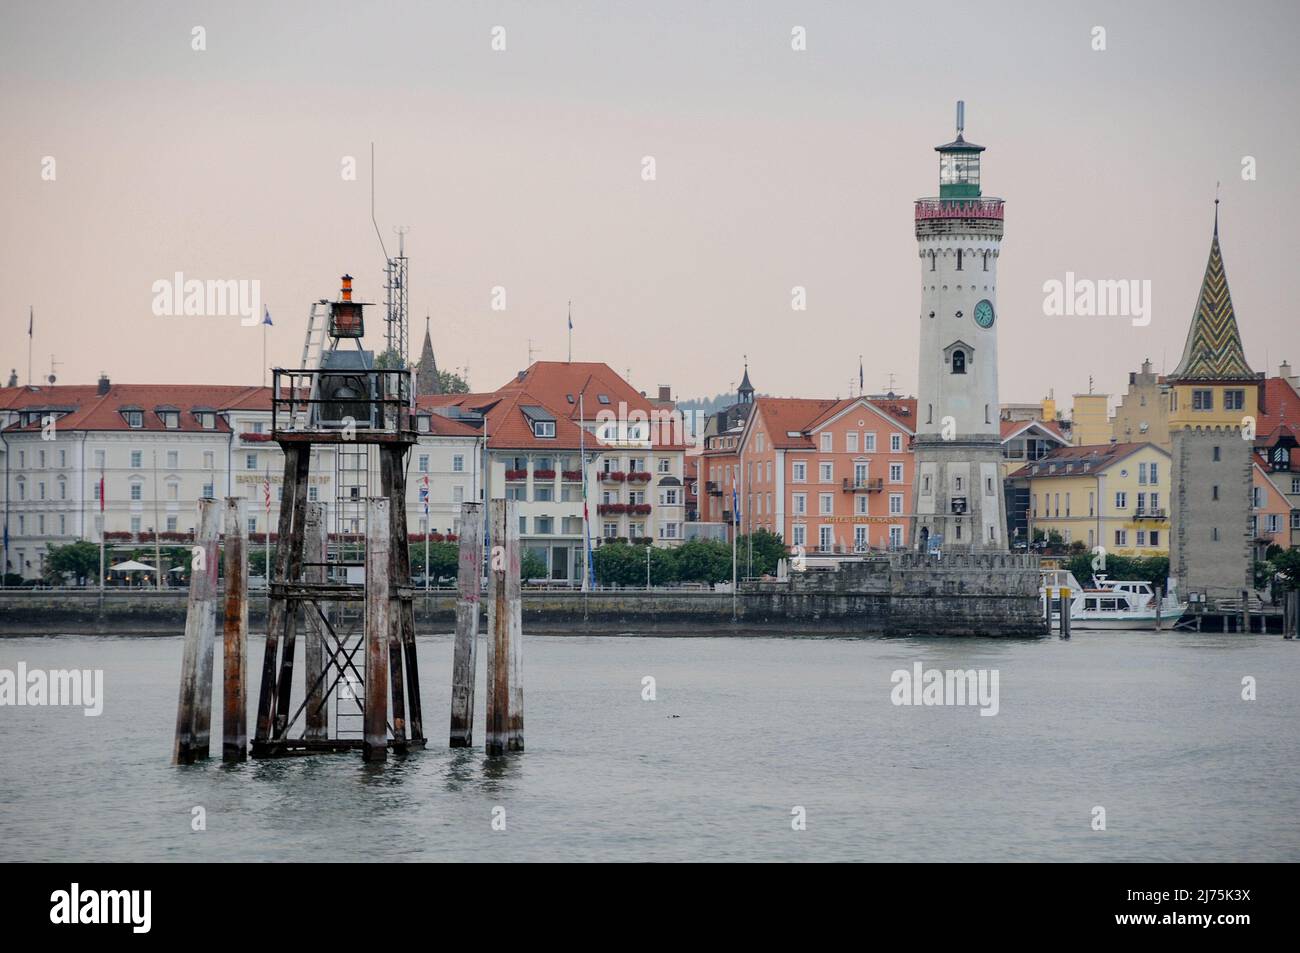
[531, 566]
[703, 560]
[444, 559]
[452, 383]
[768, 549]
[80, 560]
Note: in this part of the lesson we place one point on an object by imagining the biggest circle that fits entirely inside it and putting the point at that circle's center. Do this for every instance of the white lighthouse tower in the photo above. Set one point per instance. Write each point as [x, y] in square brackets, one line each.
[957, 497]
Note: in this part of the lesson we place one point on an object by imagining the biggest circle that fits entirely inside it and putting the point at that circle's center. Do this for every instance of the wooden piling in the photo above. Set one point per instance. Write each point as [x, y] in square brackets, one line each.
[1065, 613]
[1245, 611]
[1160, 598]
[294, 459]
[234, 712]
[194, 707]
[464, 664]
[315, 555]
[295, 499]
[377, 629]
[505, 694]
[393, 483]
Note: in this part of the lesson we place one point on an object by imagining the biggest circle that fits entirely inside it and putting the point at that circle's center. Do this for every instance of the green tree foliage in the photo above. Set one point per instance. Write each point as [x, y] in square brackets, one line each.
[79, 560]
[452, 383]
[531, 566]
[703, 560]
[444, 560]
[768, 549]
[1153, 569]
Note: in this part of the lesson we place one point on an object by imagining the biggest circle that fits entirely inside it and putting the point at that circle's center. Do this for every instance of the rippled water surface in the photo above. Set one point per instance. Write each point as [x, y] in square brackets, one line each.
[1150, 726]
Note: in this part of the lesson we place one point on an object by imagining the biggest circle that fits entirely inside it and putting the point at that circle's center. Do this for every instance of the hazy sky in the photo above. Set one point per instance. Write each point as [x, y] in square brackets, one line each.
[522, 169]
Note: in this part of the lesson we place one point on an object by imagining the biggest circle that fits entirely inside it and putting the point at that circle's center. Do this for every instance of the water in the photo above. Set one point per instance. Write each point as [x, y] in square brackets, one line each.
[1152, 727]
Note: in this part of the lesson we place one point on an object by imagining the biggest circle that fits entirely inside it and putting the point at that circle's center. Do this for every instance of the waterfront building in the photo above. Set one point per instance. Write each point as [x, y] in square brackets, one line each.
[1277, 464]
[833, 476]
[1214, 395]
[1143, 411]
[539, 428]
[1089, 420]
[1024, 441]
[958, 498]
[1113, 495]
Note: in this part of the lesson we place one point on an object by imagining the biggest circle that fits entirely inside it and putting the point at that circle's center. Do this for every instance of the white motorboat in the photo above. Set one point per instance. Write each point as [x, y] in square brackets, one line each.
[1111, 603]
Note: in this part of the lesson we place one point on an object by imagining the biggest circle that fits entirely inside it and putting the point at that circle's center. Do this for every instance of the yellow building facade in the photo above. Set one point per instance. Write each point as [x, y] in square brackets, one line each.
[1110, 495]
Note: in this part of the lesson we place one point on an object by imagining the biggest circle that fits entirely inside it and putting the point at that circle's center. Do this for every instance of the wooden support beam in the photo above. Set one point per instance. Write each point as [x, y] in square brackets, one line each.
[276, 613]
[1066, 596]
[234, 712]
[296, 500]
[194, 707]
[392, 482]
[316, 554]
[464, 663]
[375, 719]
[505, 693]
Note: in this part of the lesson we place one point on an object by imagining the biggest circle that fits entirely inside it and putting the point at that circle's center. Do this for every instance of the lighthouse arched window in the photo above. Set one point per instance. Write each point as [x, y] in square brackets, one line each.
[959, 361]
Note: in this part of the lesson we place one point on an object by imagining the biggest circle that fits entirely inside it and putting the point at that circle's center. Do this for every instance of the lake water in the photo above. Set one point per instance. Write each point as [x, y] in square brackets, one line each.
[1150, 726]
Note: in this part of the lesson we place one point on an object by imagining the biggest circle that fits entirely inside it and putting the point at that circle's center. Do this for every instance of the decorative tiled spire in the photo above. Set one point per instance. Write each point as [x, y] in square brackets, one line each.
[1213, 350]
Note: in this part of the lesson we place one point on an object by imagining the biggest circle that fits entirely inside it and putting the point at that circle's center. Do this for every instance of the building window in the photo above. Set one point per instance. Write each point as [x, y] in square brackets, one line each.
[1234, 400]
[1121, 500]
[827, 442]
[137, 491]
[859, 539]
[135, 524]
[458, 494]
[895, 504]
[959, 361]
[1214, 534]
[826, 472]
[1214, 492]
[800, 503]
[851, 442]
[209, 461]
[1217, 456]
[208, 421]
[1202, 399]
[895, 473]
[959, 259]
[313, 494]
[869, 443]
[826, 503]
[171, 419]
[544, 428]
[209, 491]
[860, 503]
[135, 418]
[423, 463]
[799, 534]
[925, 484]
[1141, 537]
[543, 526]
[458, 463]
[799, 473]
[895, 443]
[825, 537]
[137, 458]
[250, 461]
[1121, 537]
[1154, 537]
[543, 493]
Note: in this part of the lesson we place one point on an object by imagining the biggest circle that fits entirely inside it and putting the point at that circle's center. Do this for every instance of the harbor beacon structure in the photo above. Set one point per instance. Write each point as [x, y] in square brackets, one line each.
[957, 493]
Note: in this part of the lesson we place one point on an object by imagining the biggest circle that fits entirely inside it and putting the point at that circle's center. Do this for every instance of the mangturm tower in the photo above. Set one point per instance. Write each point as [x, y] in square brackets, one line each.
[1213, 403]
[957, 496]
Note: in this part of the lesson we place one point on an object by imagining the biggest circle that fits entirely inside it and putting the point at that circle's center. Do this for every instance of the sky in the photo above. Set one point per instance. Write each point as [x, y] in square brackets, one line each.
[523, 169]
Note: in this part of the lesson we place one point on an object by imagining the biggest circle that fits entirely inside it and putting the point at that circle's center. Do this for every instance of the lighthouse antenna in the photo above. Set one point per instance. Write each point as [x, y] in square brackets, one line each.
[961, 116]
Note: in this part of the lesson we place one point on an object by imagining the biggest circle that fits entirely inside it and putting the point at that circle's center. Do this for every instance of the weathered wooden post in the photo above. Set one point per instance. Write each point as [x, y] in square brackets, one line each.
[194, 708]
[315, 555]
[234, 712]
[1160, 599]
[505, 692]
[1065, 613]
[1047, 608]
[377, 627]
[464, 664]
[1245, 611]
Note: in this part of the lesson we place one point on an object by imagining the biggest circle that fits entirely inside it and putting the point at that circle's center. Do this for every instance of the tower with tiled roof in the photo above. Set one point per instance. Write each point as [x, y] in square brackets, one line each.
[957, 493]
[1213, 408]
[427, 382]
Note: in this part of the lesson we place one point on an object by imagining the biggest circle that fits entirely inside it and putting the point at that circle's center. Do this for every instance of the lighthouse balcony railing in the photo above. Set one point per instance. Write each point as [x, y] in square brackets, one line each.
[366, 405]
[929, 208]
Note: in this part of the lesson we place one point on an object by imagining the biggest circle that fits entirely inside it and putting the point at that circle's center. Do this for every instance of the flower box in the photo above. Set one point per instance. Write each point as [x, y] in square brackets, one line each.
[516, 474]
[641, 509]
[574, 476]
[543, 474]
[614, 476]
[641, 477]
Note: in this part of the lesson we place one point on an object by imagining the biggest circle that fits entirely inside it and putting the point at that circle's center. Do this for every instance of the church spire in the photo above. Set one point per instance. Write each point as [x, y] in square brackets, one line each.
[1213, 350]
[426, 374]
[746, 390]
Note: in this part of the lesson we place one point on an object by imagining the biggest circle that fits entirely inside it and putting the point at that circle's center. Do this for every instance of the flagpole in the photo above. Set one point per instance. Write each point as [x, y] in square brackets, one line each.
[570, 331]
[264, 353]
[31, 324]
[103, 528]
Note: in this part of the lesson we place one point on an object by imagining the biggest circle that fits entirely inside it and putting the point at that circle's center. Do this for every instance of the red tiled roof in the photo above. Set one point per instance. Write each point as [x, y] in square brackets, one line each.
[1279, 405]
[784, 415]
[1011, 428]
[510, 429]
[554, 382]
[1097, 455]
[93, 411]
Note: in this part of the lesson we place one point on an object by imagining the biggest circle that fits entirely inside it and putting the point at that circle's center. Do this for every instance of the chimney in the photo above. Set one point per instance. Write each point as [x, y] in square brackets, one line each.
[665, 392]
[347, 288]
[104, 384]
[1284, 370]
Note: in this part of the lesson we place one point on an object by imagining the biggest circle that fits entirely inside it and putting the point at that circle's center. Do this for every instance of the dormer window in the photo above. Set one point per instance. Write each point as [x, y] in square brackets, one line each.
[171, 419]
[207, 419]
[423, 423]
[544, 428]
[603, 398]
[134, 418]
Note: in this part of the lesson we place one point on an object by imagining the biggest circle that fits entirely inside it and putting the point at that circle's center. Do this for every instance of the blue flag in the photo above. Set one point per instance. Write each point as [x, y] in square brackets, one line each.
[266, 318]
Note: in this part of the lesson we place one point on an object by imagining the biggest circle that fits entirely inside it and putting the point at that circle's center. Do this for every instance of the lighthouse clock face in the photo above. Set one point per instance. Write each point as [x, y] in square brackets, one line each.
[984, 314]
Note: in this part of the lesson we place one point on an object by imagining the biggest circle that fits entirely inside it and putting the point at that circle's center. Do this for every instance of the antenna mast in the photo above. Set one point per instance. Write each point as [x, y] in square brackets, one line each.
[395, 313]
